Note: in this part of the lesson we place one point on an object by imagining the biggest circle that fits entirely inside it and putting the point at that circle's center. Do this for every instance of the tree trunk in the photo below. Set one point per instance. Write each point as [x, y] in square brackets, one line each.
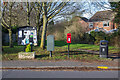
[43, 36]
[38, 33]
[38, 25]
[10, 28]
[28, 15]
[44, 29]
[28, 19]
[10, 38]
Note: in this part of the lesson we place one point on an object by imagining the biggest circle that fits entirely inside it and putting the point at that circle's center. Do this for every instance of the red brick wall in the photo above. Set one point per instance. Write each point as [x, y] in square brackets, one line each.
[100, 25]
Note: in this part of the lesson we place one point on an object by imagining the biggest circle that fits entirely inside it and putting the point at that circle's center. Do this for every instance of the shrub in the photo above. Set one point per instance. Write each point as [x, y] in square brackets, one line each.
[74, 26]
[115, 39]
[98, 39]
[88, 39]
[93, 33]
[57, 30]
[98, 36]
[112, 38]
[77, 32]
[28, 48]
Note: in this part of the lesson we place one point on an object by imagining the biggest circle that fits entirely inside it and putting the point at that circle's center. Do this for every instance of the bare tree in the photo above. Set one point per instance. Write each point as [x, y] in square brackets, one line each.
[38, 9]
[50, 10]
[29, 9]
[9, 7]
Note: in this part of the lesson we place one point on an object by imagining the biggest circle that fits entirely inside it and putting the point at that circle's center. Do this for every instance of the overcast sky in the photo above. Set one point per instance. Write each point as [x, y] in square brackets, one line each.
[88, 15]
[91, 9]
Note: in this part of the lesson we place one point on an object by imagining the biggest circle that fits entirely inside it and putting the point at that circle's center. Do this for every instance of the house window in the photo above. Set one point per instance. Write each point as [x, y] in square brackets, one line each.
[91, 25]
[105, 24]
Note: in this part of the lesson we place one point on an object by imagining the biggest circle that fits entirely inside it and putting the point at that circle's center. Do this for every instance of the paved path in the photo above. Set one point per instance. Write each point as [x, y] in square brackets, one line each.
[89, 51]
[33, 63]
[37, 63]
[59, 74]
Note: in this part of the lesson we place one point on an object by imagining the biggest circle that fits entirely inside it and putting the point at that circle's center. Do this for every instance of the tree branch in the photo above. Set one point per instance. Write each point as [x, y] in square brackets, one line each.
[51, 16]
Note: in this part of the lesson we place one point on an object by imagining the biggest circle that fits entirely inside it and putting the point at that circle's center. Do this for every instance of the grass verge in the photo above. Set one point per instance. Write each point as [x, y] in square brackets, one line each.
[60, 52]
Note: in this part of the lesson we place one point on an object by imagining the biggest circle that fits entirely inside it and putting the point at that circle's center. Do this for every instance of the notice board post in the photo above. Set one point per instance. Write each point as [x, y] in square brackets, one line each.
[50, 44]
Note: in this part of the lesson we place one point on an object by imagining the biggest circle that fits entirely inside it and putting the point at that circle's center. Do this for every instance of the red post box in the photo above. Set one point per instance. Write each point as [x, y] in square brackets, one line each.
[68, 37]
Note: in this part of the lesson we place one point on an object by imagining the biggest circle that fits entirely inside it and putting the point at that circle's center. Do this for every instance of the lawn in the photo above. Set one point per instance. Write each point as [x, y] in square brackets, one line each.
[93, 47]
[60, 52]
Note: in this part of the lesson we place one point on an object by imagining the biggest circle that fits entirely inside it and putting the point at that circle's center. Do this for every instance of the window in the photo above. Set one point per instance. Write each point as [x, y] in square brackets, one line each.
[91, 25]
[105, 24]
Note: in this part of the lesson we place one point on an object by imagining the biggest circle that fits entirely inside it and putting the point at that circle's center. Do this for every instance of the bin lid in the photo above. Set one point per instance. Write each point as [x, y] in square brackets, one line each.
[105, 41]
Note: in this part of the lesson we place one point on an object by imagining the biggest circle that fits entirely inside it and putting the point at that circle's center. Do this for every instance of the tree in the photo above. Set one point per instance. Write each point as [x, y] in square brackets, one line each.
[50, 10]
[116, 36]
[39, 19]
[45, 21]
[116, 8]
[9, 7]
[27, 6]
[29, 9]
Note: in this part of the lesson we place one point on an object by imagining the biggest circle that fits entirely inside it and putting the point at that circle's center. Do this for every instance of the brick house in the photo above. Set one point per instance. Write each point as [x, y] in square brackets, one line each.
[102, 21]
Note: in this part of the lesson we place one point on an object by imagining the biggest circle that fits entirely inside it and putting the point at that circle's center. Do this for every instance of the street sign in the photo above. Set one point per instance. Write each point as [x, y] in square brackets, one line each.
[68, 37]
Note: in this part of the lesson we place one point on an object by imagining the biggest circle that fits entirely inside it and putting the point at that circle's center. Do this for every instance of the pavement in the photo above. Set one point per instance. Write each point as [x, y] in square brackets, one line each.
[59, 74]
[9, 70]
[67, 63]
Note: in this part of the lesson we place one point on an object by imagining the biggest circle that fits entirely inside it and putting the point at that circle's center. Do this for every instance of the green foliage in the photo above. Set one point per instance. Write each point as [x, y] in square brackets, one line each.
[93, 33]
[60, 43]
[28, 48]
[115, 39]
[98, 39]
[88, 39]
[15, 49]
[98, 36]
[14, 29]
[116, 8]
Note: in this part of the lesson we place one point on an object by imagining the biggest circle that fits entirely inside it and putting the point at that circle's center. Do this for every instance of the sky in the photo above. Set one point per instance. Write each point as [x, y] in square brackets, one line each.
[88, 15]
[93, 9]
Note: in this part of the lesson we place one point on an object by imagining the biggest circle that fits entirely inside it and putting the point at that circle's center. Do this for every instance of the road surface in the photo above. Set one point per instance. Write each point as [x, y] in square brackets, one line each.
[58, 74]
